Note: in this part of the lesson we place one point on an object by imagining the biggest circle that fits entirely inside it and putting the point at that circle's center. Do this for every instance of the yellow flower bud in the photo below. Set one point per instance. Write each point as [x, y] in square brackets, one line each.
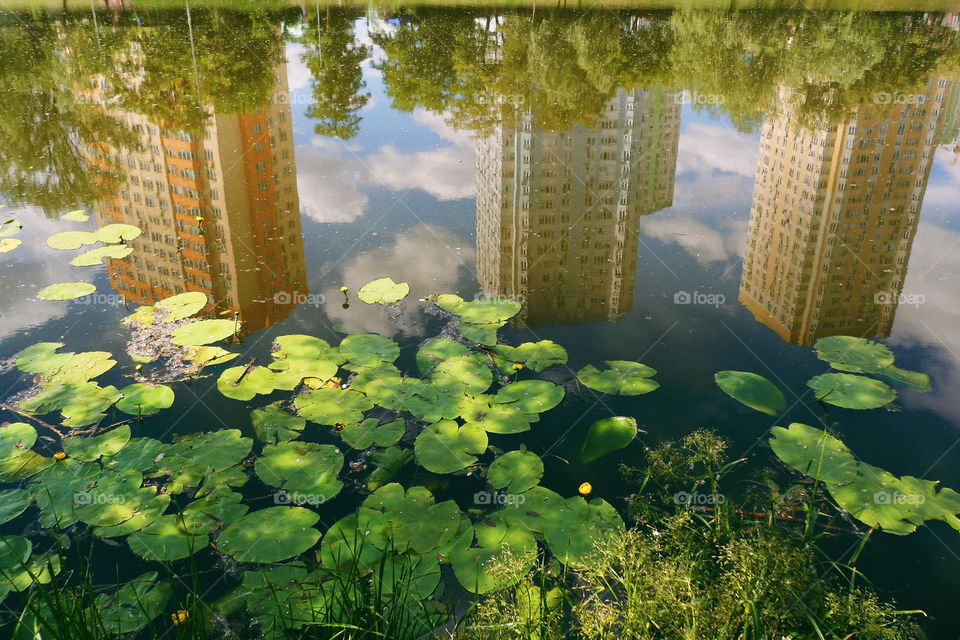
[585, 489]
[180, 616]
[344, 289]
[517, 367]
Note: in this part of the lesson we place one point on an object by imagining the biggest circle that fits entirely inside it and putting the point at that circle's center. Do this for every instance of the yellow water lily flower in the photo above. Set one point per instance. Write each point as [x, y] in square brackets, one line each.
[585, 489]
[517, 367]
[180, 616]
[344, 289]
[59, 455]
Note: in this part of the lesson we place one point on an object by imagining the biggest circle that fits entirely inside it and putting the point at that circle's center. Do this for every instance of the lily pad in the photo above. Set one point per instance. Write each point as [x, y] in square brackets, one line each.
[623, 377]
[270, 535]
[80, 403]
[752, 390]
[114, 233]
[333, 406]
[515, 471]
[95, 257]
[243, 383]
[66, 291]
[89, 449]
[182, 306]
[9, 244]
[303, 468]
[851, 391]
[13, 502]
[10, 227]
[77, 215]
[573, 532]
[133, 606]
[62, 368]
[857, 355]
[530, 396]
[369, 349]
[165, 540]
[68, 240]
[483, 311]
[463, 374]
[493, 417]
[446, 447]
[407, 519]
[141, 399]
[608, 435]
[370, 432]
[437, 350]
[535, 356]
[383, 291]
[204, 332]
[15, 439]
[913, 379]
[498, 539]
[814, 453]
[273, 424]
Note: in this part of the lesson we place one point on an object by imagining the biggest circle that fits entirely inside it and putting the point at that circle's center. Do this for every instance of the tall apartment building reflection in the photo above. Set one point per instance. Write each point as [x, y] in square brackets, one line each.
[558, 212]
[219, 212]
[834, 214]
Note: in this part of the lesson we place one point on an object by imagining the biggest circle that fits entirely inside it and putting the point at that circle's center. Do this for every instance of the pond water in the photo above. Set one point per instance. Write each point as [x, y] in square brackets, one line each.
[698, 191]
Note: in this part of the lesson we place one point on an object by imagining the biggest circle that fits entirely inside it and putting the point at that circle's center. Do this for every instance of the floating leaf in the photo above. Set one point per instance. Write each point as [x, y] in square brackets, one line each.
[912, 379]
[573, 532]
[42, 358]
[219, 507]
[9, 244]
[77, 215]
[407, 519]
[370, 432]
[493, 417]
[388, 464]
[607, 435]
[383, 291]
[369, 349]
[133, 606]
[497, 539]
[61, 368]
[95, 257]
[27, 464]
[463, 374]
[515, 471]
[10, 227]
[306, 469]
[243, 383]
[297, 357]
[204, 332]
[141, 399]
[435, 351]
[485, 334]
[89, 449]
[80, 403]
[530, 396]
[535, 356]
[114, 233]
[164, 540]
[68, 240]
[814, 453]
[13, 502]
[144, 514]
[14, 554]
[15, 439]
[270, 535]
[483, 311]
[851, 391]
[332, 406]
[66, 291]
[752, 390]
[273, 424]
[623, 378]
[182, 305]
[208, 356]
[446, 447]
[858, 355]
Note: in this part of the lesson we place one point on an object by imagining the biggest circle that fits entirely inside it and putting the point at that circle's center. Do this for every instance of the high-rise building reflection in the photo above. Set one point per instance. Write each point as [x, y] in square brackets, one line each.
[835, 211]
[558, 212]
[218, 208]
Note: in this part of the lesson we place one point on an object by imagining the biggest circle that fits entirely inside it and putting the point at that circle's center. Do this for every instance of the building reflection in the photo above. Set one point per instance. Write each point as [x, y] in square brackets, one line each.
[558, 212]
[835, 211]
[218, 208]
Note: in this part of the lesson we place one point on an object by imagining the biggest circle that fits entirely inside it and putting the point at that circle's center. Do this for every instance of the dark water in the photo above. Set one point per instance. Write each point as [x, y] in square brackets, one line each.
[643, 182]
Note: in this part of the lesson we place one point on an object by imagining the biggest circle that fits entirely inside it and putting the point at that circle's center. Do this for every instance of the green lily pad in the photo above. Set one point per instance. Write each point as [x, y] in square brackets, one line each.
[42, 358]
[15, 439]
[446, 447]
[77, 215]
[857, 355]
[493, 417]
[182, 305]
[370, 432]
[80, 403]
[243, 383]
[68, 240]
[483, 311]
[217, 508]
[208, 356]
[103, 446]
[623, 377]
[13, 502]
[913, 379]
[574, 531]
[133, 605]
[463, 374]
[204, 332]
[530, 396]
[485, 334]
[61, 368]
[23, 466]
[409, 519]
[535, 356]
[57, 488]
[141, 399]
[95, 257]
[297, 357]
[515, 471]
[388, 463]
[814, 453]
[369, 349]
[273, 424]
[497, 540]
[165, 540]
[345, 546]
[383, 291]
[215, 451]
[143, 515]
[333, 406]
[66, 291]
[307, 470]
[851, 391]
[114, 233]
[608, 435]
[752, 390]
[14, 558]
[270, 535]
[10, 227]
[437, 350]
[9, 244]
